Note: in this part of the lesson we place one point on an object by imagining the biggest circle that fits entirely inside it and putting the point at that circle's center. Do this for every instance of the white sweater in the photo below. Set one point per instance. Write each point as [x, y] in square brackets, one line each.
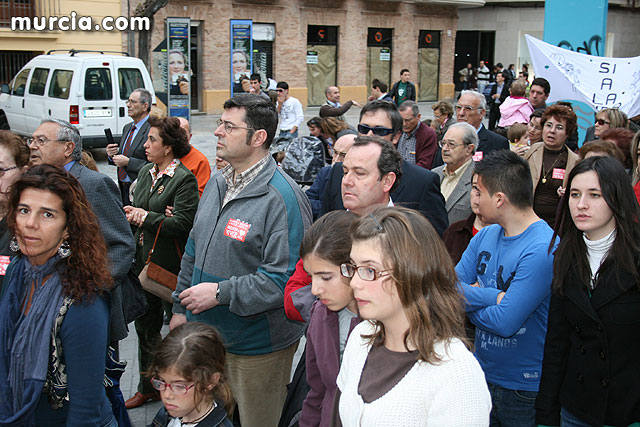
[451, 393]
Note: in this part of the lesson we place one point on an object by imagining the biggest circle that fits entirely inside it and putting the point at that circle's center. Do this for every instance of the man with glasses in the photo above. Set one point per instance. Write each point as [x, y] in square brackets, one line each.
[418, 189]
[129, 156]
[242, 249]
[58, 143]
[315, 192]
[471, 108]
[458, 147]
[289, 111]
[418, 143]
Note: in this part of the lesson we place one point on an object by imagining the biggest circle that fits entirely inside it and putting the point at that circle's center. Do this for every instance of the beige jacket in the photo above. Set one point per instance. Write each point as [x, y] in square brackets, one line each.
[534, 157]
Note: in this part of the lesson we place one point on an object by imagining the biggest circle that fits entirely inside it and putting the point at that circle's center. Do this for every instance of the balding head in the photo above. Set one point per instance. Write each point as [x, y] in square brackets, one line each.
[184, 124]
[342, 146]
[332, 93]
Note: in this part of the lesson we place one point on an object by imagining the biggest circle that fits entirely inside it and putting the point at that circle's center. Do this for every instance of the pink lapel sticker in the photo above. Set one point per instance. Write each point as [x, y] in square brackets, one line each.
[477, 156]
[4, 263]
[558, 173]
[237, 229]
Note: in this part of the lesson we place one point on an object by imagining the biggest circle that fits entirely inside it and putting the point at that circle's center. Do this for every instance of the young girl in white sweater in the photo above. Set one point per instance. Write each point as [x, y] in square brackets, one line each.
[407, 365]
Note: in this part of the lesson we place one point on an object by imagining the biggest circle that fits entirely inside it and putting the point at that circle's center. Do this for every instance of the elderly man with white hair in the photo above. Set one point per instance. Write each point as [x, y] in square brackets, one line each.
[458, 146]
[471, 108]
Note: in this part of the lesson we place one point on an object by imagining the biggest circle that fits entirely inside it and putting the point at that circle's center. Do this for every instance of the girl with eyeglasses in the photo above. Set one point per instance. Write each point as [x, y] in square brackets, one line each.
[187, 370]
[408, 363]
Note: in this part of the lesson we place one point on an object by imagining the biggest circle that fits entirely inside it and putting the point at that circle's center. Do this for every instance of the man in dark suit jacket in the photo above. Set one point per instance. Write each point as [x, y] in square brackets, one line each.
[129, 156]
[418, 188]
[471, 108]
[499, 92]
[103, 195]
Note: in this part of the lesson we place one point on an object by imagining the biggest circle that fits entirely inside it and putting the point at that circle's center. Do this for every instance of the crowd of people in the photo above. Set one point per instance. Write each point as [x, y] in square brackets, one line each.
[442, 273]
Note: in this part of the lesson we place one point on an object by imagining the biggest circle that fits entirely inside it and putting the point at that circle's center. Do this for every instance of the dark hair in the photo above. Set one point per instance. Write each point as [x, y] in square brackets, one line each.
[196, 352]
[314, 122]
[328, 238]
[510, 65]
[506, 172]
[561, 112]
[565, 104]
[379, 85]
[537, 113]
[622, 138]
[389, 161]
[504, 75]
[543, 83]
[404, 70]
[571, 255]
[172, 135]
[259, 114]
[255, 76]
[391, 110]
[282, 85]
[17, 147]
[85, 273]
[423, 275]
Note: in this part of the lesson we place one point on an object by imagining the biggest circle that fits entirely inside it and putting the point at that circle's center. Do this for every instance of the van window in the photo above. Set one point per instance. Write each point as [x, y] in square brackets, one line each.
[97, 84]
[130, 79]
[60, 84]
[38, 81]
[20, 83]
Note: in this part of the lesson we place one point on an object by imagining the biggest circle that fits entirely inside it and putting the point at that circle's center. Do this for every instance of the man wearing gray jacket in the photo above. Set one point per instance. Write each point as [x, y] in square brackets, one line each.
[240, 253]
[458, 147]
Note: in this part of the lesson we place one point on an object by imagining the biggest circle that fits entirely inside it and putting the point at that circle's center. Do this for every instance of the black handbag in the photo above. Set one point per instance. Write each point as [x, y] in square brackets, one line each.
[134, 301]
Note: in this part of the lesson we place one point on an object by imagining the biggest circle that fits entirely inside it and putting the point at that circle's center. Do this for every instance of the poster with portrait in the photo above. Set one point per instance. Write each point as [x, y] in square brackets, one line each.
[241, 58]
[178, 67]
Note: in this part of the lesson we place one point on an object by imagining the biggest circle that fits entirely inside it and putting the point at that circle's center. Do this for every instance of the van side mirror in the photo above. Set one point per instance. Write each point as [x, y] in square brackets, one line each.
[5, 88]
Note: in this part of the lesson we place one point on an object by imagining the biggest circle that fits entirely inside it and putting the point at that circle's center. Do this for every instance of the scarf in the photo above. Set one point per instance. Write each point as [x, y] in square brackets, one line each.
[25, 339]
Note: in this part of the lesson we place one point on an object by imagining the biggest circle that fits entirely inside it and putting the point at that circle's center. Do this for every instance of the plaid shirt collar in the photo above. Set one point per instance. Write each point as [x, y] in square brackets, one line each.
[234, 187]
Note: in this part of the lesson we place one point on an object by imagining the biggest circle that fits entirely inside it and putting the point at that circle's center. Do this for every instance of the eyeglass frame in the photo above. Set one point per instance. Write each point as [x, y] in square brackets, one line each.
[376, 130]
[230, 125]
[156, 381]
[466, 108]
[448, 144]
[358, 268]
[42, 144]
[602, 122]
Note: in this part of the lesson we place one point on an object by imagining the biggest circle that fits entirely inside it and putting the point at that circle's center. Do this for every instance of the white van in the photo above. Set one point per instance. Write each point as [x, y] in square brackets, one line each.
[87, 88]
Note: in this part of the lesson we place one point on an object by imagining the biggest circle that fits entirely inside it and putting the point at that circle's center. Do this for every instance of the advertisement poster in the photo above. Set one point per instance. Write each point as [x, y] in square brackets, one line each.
[241, 48]
[179, 67]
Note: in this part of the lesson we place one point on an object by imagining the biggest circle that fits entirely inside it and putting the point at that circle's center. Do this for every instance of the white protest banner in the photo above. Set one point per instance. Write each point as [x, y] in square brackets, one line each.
[595, 80]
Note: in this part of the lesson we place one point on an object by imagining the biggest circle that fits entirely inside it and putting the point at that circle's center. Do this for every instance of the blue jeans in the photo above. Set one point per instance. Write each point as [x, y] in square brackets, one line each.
[512, 408]
[567, 419]
[294, 135]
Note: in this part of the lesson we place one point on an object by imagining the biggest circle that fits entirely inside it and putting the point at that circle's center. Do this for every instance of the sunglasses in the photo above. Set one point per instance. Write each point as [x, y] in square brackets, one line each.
[376, 130]
[602, 122]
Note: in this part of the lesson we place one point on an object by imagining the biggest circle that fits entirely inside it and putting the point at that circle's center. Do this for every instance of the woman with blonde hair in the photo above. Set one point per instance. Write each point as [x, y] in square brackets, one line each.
[407, 364]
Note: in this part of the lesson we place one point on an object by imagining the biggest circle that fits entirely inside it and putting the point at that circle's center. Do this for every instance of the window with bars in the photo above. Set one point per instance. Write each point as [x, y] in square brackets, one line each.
[9, 8]
[11, 62]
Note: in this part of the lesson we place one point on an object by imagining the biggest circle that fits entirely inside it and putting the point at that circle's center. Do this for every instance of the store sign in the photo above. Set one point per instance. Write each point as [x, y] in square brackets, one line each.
[312, 57]
[179, 67]
[385, 54]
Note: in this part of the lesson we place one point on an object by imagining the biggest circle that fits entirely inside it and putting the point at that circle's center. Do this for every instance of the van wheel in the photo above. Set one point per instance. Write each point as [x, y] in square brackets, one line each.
[4, 123]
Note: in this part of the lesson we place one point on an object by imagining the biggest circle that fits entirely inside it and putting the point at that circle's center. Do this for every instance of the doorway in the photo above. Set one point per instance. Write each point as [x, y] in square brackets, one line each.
[379, 56]
[322, 44]
[471, 47]
[428, 65]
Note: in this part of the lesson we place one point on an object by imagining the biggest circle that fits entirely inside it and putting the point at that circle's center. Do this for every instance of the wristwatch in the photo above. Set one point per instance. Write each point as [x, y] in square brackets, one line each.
[218, 293]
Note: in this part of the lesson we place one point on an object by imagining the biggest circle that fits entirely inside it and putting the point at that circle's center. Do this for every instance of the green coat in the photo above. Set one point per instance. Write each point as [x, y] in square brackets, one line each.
[179, 191]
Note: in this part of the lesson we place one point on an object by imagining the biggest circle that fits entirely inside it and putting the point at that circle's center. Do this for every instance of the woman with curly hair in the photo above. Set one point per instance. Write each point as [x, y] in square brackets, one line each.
[407, 364]
[165, 201]
[54, 317]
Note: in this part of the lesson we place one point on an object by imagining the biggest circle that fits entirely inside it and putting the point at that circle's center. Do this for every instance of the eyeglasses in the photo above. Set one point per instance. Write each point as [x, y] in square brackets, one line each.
[466, 108]
[450, 143]
[177, 388]
[377, 130]
[279, 90]
[229, 127]
[366, 273]
[40, 141]
[3, 170]
[549, 126]
[602, 122]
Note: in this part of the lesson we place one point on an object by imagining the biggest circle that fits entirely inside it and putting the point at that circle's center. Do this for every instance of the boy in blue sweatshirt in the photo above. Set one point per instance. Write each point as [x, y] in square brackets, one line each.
[505, 275]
